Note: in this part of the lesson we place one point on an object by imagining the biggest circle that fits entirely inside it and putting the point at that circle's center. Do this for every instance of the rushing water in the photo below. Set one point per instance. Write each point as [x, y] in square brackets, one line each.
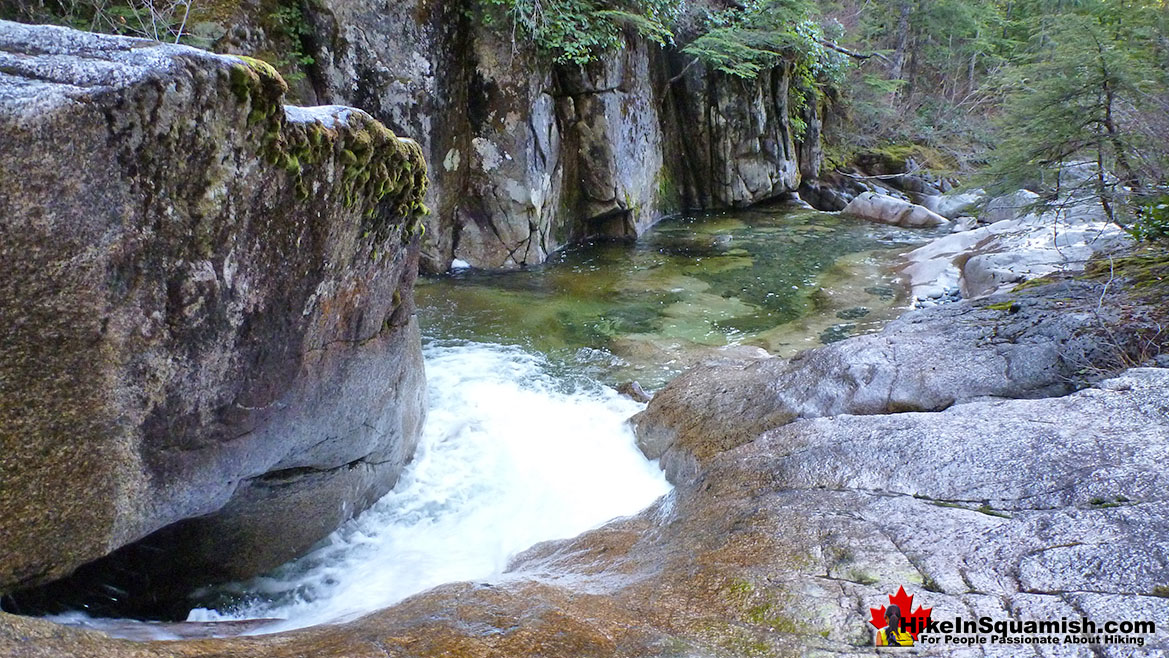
[525, 440]
[515, 451]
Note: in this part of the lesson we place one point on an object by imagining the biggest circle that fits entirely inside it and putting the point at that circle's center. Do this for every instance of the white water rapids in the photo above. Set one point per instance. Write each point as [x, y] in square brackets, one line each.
[513, 453]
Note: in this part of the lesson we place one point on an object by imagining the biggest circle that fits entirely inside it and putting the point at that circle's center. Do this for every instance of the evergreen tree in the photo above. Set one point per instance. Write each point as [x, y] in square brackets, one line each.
[1085, 91]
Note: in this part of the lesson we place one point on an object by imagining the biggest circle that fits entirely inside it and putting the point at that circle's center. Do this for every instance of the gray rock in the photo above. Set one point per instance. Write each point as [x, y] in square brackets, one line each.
[1007, 207]
[529, 156]
[888, 210]
[995, 257]
[207, 313]
[920, 362]
[822, 195]
[634, 391]
[953, 206]
[1022, 510]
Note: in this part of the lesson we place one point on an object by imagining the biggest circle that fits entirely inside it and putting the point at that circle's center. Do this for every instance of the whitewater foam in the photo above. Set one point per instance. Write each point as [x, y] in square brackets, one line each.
[515, 452]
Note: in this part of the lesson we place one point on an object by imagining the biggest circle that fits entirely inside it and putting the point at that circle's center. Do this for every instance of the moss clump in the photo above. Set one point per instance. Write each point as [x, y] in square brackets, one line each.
[986, 509]
[1105, 503]
[759, 607]
[895, 158]
[669, 199]
[372, 163]
[254, 81]
[1147, 267]
[1010, 305]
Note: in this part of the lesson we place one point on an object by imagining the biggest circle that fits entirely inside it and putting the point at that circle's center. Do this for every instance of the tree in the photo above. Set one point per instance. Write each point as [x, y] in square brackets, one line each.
[577, 31]
[1083, 93]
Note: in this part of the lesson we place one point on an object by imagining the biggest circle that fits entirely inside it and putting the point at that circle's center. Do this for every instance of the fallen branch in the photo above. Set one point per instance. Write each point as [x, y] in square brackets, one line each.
[852, 53]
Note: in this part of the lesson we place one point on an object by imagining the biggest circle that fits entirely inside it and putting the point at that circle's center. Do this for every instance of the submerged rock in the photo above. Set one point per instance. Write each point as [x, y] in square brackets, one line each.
[208, 312]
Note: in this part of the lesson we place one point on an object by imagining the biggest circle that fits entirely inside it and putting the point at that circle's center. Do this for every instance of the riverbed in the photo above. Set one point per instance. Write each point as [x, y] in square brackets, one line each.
[526, 439]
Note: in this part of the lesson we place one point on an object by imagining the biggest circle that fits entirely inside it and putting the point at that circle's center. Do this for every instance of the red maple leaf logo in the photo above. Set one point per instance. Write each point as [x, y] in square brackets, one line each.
[913, 623]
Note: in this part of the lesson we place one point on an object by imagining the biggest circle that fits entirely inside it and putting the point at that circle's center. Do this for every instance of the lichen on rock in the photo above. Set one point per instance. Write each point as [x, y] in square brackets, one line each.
[210, 309]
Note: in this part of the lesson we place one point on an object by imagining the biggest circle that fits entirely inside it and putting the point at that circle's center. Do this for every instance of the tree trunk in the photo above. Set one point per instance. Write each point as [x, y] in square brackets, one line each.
[901, 40]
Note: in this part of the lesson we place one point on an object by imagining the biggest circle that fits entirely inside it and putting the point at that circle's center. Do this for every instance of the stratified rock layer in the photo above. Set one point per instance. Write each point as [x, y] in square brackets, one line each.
[207, 308]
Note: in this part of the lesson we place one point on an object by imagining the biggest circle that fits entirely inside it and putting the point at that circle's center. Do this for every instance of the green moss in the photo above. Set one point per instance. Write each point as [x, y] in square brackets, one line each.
[895, 158]
[862, 577]
[374, 164]
[669, 199]
[241, 82]
[1009, 305]
[1145, 268]
[986, 509]
[739, 588]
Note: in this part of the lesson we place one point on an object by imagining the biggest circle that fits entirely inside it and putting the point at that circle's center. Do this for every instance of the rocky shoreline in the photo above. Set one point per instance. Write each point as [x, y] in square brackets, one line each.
[997, 457]
[242, 356]
[1015, 500]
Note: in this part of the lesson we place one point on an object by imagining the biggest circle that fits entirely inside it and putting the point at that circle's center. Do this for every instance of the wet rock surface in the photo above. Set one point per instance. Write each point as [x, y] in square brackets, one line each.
[1036, 345]
[781, 545]
[208, 310]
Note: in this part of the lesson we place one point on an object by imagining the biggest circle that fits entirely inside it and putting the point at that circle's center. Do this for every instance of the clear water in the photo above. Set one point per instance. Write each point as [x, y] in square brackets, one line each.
[525, 441]
[776, 279]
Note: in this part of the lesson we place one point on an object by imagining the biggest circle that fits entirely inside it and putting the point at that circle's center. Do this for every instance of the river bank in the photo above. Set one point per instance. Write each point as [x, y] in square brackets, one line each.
[194, 357]
[976, 453]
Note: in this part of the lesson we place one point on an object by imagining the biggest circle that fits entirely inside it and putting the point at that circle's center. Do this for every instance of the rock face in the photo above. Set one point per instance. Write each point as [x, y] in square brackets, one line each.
[208, 309]
[528, 156]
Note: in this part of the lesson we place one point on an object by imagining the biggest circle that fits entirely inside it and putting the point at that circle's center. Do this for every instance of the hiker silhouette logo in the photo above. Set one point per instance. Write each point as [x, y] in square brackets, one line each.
[897, 624]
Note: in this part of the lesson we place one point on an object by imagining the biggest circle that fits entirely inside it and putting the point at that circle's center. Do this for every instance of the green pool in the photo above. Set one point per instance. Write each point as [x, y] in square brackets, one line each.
[692, 289]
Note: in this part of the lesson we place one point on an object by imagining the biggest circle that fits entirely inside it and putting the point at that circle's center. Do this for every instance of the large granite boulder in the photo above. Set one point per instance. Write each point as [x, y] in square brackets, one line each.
[1035, 344]
[889, 210]
[207, 311]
